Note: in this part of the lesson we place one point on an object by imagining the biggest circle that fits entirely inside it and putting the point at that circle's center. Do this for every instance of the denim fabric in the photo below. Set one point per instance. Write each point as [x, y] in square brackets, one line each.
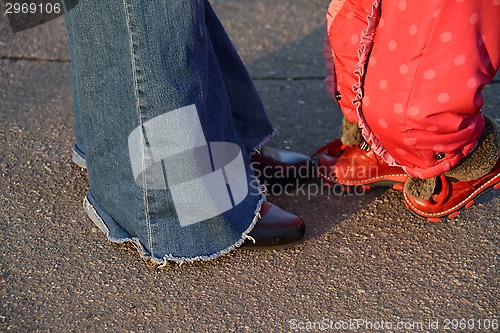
[139, 69]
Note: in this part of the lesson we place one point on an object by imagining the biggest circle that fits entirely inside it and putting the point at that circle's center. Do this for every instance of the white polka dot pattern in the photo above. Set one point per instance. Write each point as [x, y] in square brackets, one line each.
[416, 90]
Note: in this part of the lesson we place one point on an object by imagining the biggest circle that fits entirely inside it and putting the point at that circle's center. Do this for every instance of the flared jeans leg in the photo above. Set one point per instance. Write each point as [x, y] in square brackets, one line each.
[167, 116]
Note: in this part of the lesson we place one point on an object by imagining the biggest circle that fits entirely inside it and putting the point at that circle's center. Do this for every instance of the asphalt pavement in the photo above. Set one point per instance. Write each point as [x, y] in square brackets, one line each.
[365, 261]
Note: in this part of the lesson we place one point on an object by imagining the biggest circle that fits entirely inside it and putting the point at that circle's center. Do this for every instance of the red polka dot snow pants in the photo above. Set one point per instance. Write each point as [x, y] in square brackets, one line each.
[411, 72]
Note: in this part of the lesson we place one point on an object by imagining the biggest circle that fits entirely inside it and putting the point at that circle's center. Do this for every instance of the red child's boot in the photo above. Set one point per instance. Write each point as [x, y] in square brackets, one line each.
[350, 161]
[446, 195]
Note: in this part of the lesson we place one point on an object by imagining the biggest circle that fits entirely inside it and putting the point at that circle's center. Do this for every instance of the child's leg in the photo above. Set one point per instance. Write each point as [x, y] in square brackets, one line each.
[418, 100]
[422, 89]
[348, 161]
[345, 27]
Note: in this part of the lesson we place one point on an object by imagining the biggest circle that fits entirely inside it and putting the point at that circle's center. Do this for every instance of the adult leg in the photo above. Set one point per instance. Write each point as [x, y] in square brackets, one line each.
[156, 119]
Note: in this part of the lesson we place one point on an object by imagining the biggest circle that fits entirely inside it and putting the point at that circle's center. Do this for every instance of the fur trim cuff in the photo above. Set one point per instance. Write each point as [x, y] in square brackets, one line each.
[482, 159]
[421, 189]
[350, 133]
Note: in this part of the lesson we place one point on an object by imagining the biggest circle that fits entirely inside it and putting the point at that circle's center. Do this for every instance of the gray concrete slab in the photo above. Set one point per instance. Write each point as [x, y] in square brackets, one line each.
[365, 256]
[277, 39]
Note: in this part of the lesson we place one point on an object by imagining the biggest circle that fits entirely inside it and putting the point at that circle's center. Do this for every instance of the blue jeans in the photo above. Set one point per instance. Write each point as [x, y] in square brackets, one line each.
[166, 117]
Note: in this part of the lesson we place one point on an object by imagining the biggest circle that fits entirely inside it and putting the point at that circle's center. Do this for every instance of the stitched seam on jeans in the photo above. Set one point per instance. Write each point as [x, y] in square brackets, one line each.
[138, 109]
